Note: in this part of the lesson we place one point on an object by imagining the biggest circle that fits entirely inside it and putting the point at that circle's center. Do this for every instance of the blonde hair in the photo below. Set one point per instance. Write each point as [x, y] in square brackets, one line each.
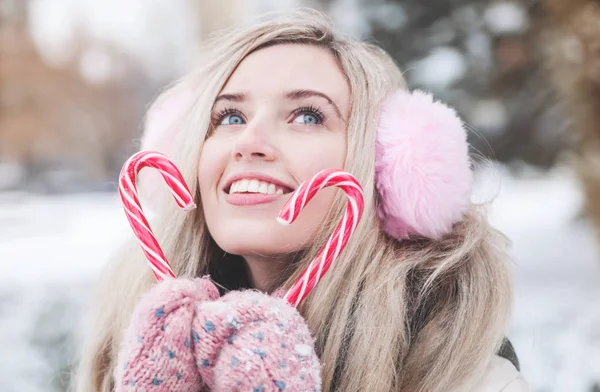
[416, 315]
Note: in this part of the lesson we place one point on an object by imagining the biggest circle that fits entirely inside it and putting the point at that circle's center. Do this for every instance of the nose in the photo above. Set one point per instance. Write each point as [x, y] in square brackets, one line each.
[252, 143]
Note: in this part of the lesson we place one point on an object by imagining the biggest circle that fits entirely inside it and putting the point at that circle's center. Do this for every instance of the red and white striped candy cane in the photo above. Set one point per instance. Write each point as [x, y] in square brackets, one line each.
[336, 243]
[133, 208]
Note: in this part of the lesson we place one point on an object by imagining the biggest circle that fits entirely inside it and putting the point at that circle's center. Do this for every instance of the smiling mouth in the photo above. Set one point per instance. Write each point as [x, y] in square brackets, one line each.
[256, 187]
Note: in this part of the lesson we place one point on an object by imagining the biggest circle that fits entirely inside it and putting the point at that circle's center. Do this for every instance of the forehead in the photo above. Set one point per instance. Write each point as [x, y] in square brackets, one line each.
[285, 67]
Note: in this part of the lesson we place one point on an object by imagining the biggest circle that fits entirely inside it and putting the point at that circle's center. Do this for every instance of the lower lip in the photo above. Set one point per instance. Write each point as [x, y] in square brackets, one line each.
[250, 199]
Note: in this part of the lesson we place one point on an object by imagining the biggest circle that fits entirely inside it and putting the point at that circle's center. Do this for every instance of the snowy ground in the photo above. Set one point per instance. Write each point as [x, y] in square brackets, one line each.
[51, 248]
[556, 328]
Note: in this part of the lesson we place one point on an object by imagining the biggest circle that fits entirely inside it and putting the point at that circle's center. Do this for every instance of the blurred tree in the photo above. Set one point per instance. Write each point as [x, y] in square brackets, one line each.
[571, 43]
[77, 118]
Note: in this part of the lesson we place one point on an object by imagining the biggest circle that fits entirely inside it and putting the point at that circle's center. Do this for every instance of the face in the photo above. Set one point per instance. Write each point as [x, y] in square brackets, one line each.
[280, 119]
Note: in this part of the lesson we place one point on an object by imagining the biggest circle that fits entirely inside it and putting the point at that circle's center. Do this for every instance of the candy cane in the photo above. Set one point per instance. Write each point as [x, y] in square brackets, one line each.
[133, 208]
[336, 243]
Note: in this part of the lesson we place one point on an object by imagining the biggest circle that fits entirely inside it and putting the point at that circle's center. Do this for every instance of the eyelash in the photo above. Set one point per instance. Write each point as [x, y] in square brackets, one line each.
[219, 116]
[310, 110]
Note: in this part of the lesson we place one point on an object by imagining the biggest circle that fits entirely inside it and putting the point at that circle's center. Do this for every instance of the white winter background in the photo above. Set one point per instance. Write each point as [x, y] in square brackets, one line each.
[53, 247]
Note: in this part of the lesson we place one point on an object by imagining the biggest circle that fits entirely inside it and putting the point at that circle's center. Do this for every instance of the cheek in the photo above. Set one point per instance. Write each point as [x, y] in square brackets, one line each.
[313, 157]
[307, 161]
[210, 166]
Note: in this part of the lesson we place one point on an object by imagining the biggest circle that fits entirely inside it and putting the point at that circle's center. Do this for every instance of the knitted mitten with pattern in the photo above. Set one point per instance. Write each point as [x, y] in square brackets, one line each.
[183, 337]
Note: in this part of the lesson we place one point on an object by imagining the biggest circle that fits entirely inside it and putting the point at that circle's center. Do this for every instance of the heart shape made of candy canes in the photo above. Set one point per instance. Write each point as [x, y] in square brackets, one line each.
[288, 214]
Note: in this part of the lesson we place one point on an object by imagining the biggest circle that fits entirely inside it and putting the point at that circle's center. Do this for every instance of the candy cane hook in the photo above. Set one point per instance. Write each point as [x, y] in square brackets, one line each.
[342, 233]
[133, 208]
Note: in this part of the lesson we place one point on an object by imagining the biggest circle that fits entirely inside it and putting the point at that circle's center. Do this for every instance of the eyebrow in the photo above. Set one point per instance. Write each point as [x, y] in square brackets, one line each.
[234, 97]
[293, 95]
[300, 94]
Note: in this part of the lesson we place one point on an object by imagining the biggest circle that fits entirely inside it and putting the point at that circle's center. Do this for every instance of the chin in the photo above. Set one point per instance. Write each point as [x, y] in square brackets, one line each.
[269, 239]
[249, 239]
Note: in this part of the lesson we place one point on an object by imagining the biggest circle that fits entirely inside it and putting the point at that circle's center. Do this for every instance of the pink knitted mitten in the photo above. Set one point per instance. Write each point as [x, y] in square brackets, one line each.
[183, 337]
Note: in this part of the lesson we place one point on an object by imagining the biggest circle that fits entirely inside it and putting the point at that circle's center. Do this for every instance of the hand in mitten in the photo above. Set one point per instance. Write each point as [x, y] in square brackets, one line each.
[156, 352]
[183, 337]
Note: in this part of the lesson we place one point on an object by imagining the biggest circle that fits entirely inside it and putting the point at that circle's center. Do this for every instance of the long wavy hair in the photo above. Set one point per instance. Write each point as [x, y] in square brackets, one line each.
[416, 315]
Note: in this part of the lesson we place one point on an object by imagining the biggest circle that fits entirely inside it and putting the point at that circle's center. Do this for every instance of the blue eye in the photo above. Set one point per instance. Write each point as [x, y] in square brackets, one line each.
[308, 118]
[232, 119]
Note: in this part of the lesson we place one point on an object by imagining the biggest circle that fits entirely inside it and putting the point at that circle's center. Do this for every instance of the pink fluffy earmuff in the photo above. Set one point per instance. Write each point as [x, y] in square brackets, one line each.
[423, 171]
[422, 167]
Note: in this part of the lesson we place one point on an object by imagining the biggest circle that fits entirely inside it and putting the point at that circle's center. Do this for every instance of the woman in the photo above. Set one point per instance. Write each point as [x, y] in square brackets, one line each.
[418, 301]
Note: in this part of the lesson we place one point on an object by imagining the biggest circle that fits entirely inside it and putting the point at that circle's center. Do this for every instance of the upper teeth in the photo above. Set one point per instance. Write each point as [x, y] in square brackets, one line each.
[255, 186]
